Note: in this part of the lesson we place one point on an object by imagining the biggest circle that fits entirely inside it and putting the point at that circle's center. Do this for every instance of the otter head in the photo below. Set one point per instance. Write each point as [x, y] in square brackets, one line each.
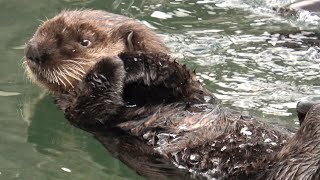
[66, 47]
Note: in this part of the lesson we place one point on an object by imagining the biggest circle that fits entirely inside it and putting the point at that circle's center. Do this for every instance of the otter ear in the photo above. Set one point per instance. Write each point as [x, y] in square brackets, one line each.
[129, 42]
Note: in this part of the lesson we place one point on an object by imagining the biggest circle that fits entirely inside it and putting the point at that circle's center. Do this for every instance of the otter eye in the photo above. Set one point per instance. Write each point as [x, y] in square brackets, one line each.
[85, 43]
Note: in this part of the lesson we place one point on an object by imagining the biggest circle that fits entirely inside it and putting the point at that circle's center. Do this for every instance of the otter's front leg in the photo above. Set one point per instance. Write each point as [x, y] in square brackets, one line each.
[154, 69]
[98, 97]
[158, 71]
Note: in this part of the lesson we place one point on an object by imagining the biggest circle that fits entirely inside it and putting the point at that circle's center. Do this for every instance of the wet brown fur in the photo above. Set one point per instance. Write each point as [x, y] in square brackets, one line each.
[200, 136]
[158, 118]
[59, 40]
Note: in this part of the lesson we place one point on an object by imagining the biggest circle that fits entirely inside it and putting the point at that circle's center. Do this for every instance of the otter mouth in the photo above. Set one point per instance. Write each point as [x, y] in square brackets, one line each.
[39, 73]
[50, 76]
[57, 76]
[31, 64]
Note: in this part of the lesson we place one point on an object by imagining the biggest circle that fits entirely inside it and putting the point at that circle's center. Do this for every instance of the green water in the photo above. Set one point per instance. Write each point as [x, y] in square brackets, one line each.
[225, 41]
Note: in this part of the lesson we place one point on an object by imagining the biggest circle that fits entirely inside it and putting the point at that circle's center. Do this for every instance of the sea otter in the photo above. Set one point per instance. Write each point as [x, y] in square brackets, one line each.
[293, 9]
[155, 115]
[301, 38]
[69, 44]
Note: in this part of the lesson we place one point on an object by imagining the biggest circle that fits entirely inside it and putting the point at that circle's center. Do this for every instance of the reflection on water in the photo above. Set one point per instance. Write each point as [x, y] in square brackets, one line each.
[70, 153]
[240, 49]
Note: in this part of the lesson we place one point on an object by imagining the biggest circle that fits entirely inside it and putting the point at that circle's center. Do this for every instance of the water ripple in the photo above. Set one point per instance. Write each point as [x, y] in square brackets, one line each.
[250, 60]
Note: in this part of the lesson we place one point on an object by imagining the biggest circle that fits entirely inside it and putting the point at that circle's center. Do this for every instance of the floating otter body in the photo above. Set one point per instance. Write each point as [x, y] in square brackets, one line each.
[293, 9]
[297, 39]
[158, 117]
[312, 6]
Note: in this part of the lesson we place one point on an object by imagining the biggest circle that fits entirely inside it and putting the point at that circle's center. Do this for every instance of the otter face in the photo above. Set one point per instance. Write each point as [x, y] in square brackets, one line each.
[64, 49]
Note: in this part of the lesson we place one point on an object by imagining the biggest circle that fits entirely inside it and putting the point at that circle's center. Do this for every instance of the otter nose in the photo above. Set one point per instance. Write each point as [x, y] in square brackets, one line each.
[35, 54]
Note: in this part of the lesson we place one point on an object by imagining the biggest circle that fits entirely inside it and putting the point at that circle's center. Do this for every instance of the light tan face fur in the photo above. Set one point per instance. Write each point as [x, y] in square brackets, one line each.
[56, 58]
[64, 49]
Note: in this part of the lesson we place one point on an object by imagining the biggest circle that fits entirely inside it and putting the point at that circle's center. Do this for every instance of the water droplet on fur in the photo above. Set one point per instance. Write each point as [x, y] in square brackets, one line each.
[245, 131]
[267, 140]
[269, 150]
[147, 135]
[207, 98]
[194, 157]
[131, 105]
[273, 144]
[242, 145]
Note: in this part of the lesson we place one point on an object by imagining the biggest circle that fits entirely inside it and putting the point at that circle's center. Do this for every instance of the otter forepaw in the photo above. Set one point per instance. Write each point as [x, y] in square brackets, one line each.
[107, 73]
[64, 101]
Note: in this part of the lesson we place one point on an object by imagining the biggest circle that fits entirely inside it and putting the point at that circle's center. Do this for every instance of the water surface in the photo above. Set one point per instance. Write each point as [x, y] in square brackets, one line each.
[231, 44]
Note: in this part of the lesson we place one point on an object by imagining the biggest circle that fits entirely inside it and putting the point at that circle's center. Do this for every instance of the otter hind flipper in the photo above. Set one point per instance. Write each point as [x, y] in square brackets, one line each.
[299, 158]
[303, 108]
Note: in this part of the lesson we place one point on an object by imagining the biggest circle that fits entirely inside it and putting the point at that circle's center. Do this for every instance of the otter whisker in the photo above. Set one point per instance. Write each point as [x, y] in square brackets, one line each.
[75, 72]
[76, 69]
[42, 21]
[86, 63]
[69, 73]
[26, 72]
[81, 61]
[64, 76]
[52, 76]
[80, 68]
[55, 76]
[76, 64]
[24, 63]
[22, 60]
[60, 80]
[73, 61]
[46, 74]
